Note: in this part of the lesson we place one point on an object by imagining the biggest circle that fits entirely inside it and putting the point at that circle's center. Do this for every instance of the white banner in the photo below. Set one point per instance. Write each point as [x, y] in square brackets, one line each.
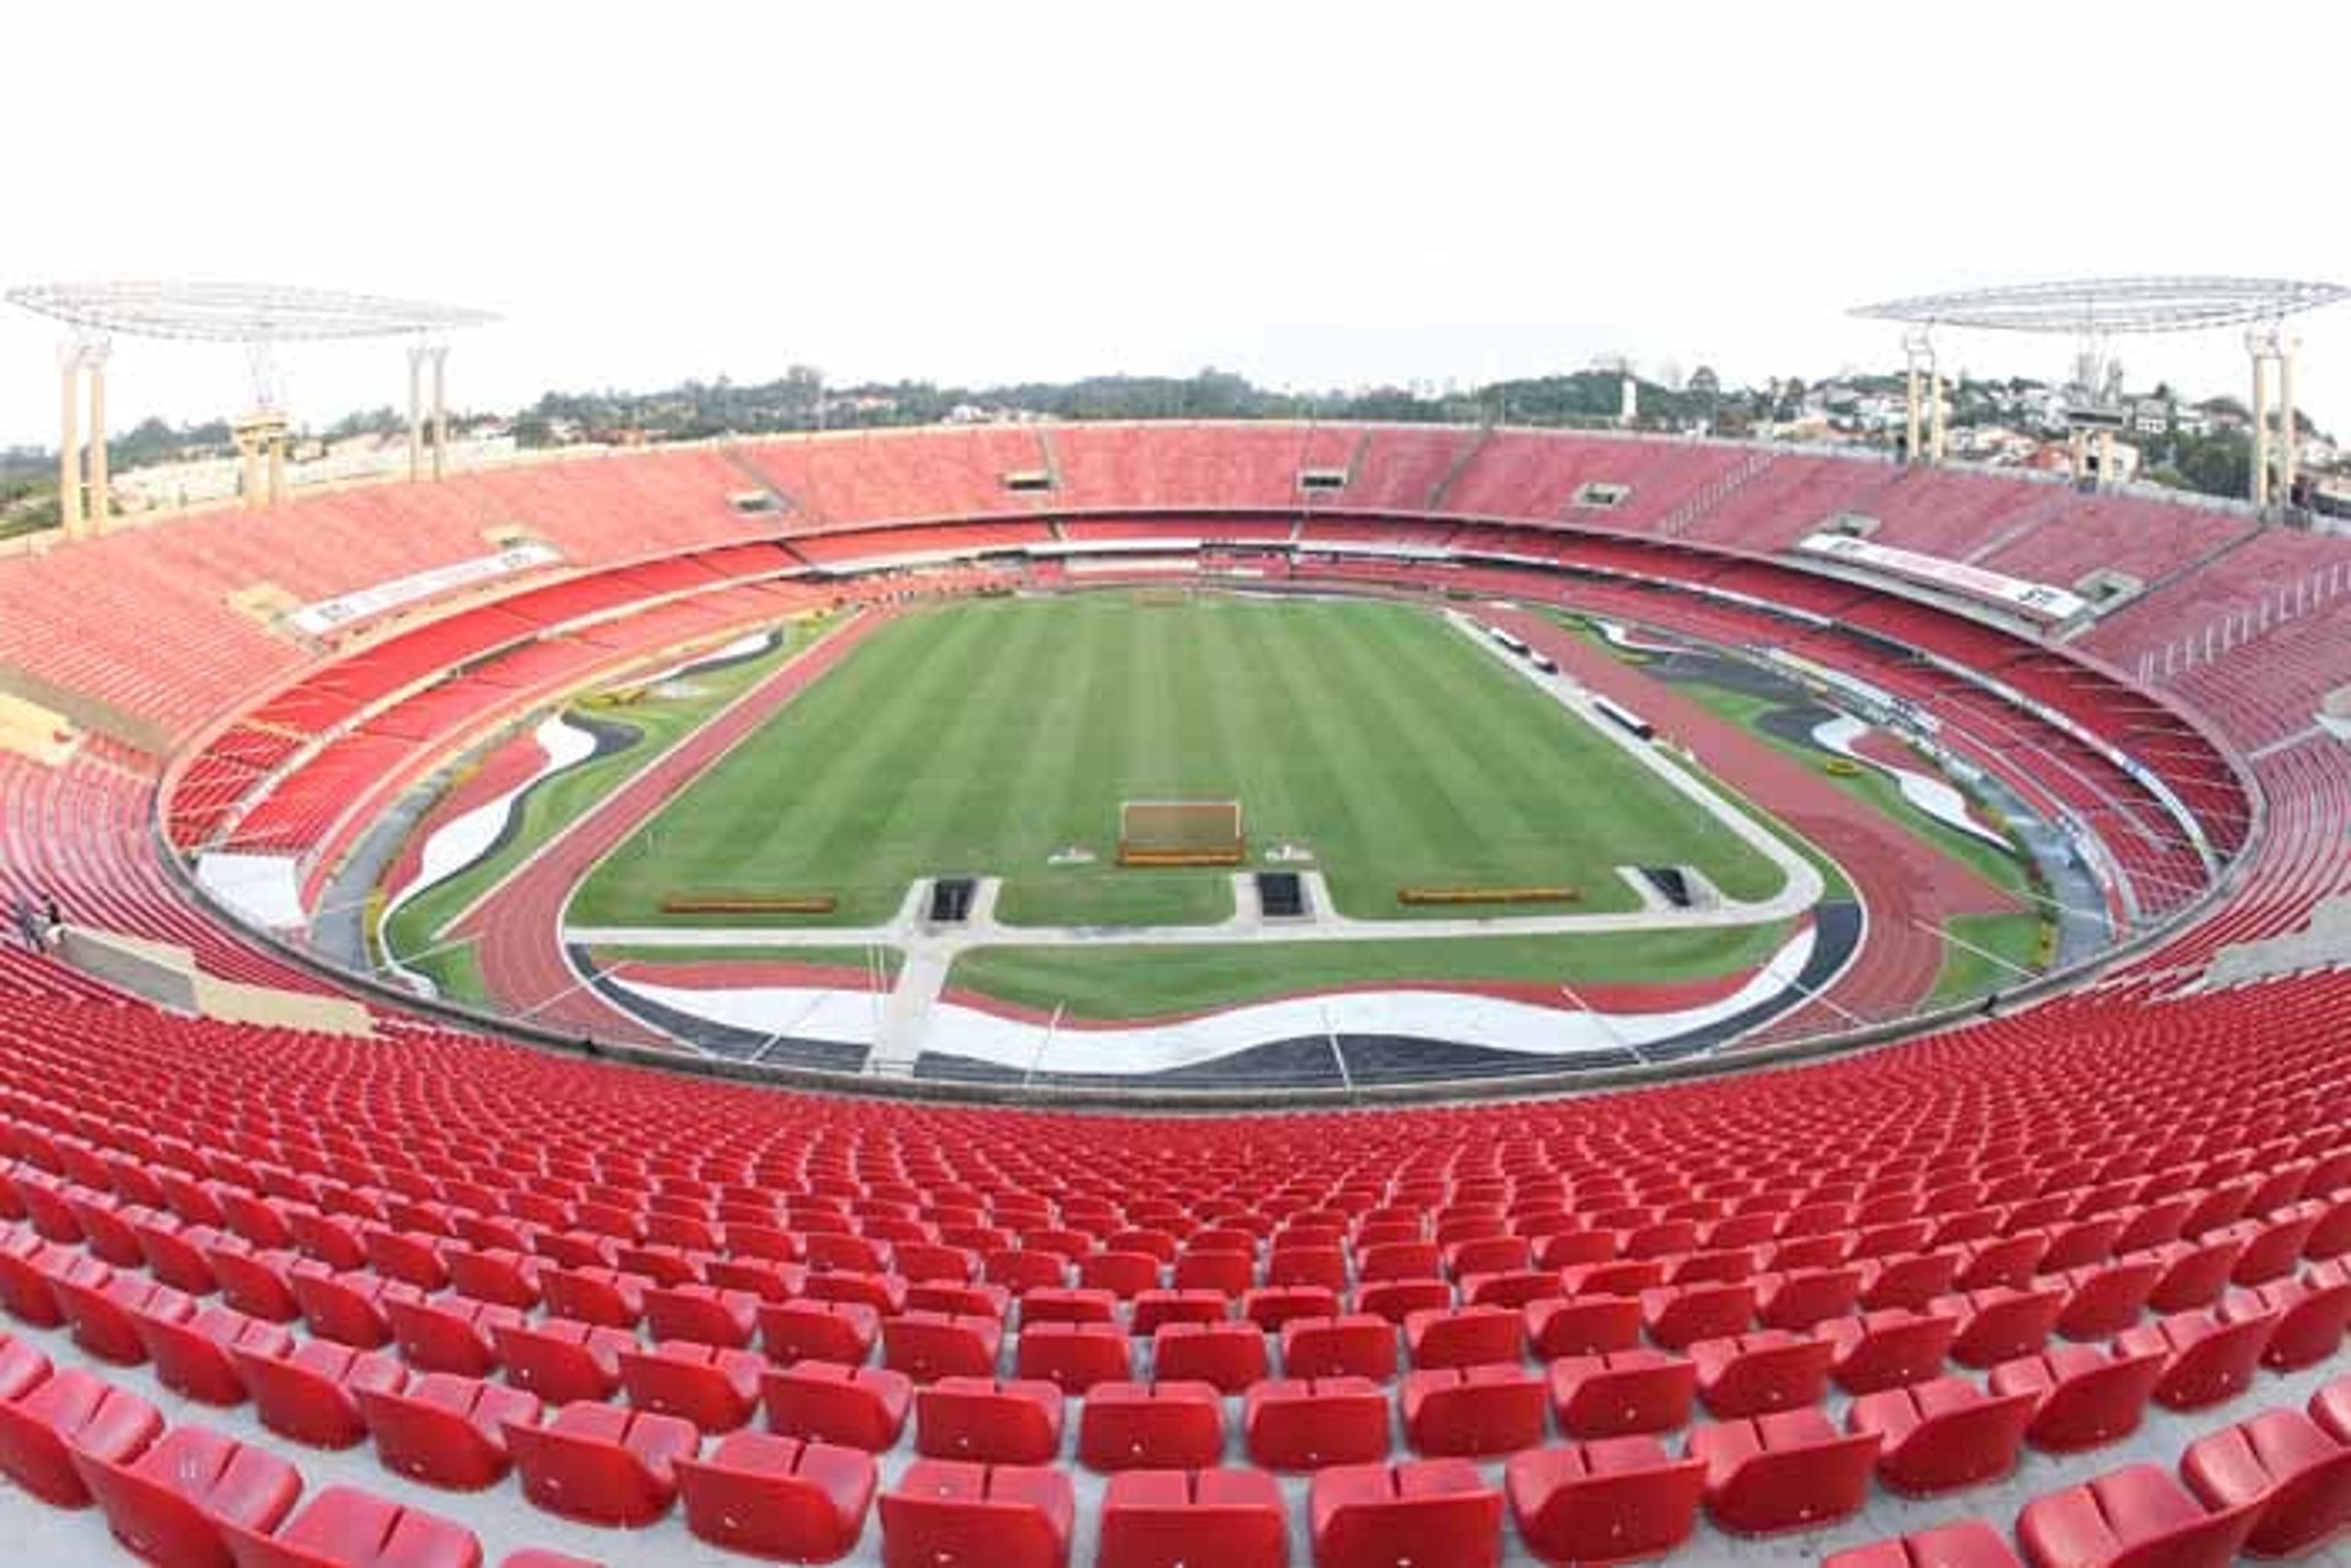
[2037, 600]
[317, 619]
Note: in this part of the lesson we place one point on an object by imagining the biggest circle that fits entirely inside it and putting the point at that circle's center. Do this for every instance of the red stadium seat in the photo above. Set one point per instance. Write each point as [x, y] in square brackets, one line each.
[983, 1420]
[343, 1527]
[1610, 1501]
[1800, 1299]
[170, 1503]
[2208, 1359]
[1969, 1544]
[1787, 1471]
[841, 1331]
[192, 1358]
[1751, 1374]
[1153, 1308]
[1464, 1336]
[1887, 1348]
[943, 1513]
[2104, 1299]
[563, 1362]
[1276, 1306]
[1355, 1346]
[2136, 1515]
[1472, 1411]
[1394, 1301]
[1074, 1357]
[66, 1414]
[1160, 1517]
[312, 1394]
[2086, 1399]
[1622, 1393]
[929, 1345]
[854, 1406]
[1942, 1435]
[1432, 1513]
[2311, 1314]
[594, 1295]
[450, 1334]
[713, 1386]
[1999, 1323]
[2330, 1406]
[601, 1465]
[702, 1314]
[778, 1496]
[1910, 1281]
[446, 1430]
[1168, 1426]
[2287, 1467]
[1585, 1325]
[1678, 1316]
[1304, 1424]
[2194, 1273]
[1227, 1356]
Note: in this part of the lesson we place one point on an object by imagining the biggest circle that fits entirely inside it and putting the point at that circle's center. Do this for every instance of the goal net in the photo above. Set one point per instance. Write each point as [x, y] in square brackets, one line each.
[1180, 833]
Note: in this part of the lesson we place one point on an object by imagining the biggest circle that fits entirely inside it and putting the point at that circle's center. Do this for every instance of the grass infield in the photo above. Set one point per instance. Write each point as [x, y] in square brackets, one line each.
[982, 737]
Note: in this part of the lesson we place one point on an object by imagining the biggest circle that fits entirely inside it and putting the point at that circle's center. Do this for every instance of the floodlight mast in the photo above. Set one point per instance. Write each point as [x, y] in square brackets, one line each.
[2097, 310]
[259, 316]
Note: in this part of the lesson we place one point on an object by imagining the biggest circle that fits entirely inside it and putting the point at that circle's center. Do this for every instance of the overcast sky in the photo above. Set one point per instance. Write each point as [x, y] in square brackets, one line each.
[1311, 195]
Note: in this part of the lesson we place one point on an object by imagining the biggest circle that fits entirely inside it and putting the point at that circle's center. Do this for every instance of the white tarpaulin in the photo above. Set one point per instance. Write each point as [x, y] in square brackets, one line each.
[317, 619]
[2037, 600]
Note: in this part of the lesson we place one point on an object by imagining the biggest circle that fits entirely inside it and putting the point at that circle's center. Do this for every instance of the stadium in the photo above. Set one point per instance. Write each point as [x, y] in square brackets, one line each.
[1352, 993]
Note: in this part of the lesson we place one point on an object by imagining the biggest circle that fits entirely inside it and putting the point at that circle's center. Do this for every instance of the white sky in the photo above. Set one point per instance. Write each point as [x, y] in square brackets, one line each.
[1308, 193]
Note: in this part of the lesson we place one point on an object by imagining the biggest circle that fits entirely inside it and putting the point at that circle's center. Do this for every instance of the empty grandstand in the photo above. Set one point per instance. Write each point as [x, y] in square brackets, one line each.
[462, 1286]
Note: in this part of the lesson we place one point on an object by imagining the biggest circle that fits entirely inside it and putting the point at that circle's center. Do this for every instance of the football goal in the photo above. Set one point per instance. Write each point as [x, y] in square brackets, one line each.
[1180, 833]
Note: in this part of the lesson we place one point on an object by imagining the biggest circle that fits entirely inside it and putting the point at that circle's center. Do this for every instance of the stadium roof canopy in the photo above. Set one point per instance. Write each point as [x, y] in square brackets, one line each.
[237, 312]
[2102, 306]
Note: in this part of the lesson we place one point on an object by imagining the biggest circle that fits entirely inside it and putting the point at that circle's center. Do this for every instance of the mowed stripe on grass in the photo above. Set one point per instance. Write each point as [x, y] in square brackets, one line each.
[981, 737]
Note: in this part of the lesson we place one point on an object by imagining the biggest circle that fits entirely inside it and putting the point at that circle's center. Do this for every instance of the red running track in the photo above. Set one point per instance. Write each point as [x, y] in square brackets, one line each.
[1908, 886]
[519, 922]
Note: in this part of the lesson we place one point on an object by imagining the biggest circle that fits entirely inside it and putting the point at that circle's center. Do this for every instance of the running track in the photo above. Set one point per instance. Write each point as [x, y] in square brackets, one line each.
[1903, 879]
[1908, 886]
[520, 924]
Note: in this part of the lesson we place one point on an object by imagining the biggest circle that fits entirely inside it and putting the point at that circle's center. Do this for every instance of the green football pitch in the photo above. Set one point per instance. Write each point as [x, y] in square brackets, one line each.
[986, 737]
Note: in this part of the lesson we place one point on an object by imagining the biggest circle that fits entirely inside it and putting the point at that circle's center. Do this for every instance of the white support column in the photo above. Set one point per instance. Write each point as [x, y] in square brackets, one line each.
[248, 451]
[99, 507]
[415, 412]
[70, 440]
[1910, 411]
[2289, 437]
[1935, 411]
[440, 411]
[2260, 479]
[2105, 460]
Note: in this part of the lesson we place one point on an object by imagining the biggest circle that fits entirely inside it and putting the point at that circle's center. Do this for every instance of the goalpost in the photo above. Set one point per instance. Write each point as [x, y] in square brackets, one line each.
[1180, 833]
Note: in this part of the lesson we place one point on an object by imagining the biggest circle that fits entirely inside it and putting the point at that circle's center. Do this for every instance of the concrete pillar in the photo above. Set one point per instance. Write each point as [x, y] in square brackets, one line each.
[102, 495]
[69, 441]
[1935, 413]
[440, 412]
[415, 412]
[2261, 495]
[2289, 438]
[277, 468]
[2105, 460]
[2078, 442]
[1910, 409]
[248, 446]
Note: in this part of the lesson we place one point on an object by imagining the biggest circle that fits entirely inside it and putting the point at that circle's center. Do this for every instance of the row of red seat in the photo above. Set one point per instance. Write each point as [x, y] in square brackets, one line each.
[2278, 1485]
